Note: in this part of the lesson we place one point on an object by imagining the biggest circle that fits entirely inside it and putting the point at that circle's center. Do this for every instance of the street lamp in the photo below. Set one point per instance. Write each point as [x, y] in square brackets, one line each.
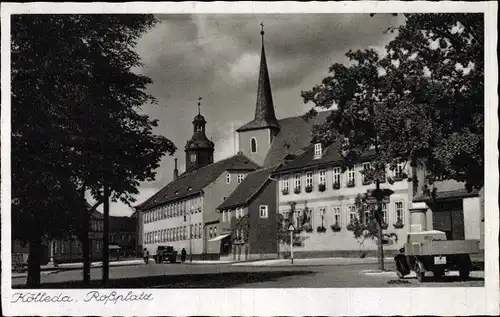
[291, 229]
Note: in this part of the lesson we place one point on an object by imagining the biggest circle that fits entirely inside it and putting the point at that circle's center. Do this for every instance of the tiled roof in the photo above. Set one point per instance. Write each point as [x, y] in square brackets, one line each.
[247, 189]
[189, 184]
[293, 139]
[451, 194]
[331, 156]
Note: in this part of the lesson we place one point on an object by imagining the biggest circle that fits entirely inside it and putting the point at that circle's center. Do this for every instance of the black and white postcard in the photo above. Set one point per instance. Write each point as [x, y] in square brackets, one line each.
[249, 158]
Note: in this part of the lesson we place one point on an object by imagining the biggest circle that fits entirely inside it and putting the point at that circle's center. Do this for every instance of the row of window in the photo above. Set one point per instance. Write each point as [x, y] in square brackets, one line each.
[239, 178]
[240, 212]
[350, 178]
[74, 246]
[97, 225]
[176, 209]
[120, 237]
[336, 215]
[174, 234]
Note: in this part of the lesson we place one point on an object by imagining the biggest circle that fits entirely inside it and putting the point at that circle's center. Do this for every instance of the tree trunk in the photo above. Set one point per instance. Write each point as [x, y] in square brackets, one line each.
[86, 253]
[84, 238]
[105, 239]
[34, 261]
[380, 248]
[379, 218]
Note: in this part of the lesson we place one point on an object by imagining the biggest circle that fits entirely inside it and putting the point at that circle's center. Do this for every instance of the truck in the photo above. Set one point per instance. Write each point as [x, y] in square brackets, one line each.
[165, 253]
[430, 251]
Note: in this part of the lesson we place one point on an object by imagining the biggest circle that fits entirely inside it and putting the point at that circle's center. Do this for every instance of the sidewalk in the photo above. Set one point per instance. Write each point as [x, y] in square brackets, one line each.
[312, 261]
[209, 262]
[69, 266]
[24, 274]
[51, 269]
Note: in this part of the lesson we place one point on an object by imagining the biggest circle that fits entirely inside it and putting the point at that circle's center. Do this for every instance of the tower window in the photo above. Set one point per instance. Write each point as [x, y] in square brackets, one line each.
[228, 178]
[253, 145]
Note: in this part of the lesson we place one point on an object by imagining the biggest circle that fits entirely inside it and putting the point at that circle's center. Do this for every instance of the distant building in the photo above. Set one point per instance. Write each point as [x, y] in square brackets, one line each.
[123, 233]
[70, 250]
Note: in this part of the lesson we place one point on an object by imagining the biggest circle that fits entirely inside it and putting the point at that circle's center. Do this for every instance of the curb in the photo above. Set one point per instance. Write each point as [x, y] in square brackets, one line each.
[311, 262]
[95, 266]
[25, 275]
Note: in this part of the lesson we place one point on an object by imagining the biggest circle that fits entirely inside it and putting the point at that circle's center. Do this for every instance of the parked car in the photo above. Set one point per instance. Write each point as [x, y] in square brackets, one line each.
[165, 253]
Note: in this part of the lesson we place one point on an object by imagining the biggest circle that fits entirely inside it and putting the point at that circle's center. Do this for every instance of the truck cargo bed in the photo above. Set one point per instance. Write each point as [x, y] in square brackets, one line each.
[442, 247]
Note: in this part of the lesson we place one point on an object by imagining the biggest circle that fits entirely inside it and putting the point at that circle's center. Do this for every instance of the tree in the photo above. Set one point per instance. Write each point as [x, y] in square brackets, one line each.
[240, 231]
[416, 104]
[435, 92]
[355, 124]
[75, 102]
[366, 224]
[283, 225]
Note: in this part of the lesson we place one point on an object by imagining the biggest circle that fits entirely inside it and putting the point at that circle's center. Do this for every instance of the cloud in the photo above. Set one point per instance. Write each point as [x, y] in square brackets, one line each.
[245, 68]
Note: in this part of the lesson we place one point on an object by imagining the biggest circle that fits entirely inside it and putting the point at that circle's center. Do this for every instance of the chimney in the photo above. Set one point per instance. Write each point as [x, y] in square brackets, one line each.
[176, 171]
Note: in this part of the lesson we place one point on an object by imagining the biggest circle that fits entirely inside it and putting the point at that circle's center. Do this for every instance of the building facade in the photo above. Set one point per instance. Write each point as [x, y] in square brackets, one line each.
[122, 233]
[454, 210]
[322, 200]
[70, 250]
[183, 213]
[191, 221]
[248, 216]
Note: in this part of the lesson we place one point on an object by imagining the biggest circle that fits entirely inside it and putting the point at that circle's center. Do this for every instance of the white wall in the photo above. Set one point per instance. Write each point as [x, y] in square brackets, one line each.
[344, 240]
[472, 217]
[174, 222]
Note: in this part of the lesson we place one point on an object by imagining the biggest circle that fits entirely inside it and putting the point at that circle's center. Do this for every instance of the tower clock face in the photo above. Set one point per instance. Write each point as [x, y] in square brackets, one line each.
[193, 158]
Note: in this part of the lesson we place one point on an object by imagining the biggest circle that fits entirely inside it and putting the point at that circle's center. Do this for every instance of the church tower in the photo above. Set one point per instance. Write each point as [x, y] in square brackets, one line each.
[199, 150]
[255, 137]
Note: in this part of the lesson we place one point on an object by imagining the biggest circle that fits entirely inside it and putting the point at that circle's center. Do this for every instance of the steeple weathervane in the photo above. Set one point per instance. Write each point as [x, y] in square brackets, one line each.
[262, 31]
[199, 104]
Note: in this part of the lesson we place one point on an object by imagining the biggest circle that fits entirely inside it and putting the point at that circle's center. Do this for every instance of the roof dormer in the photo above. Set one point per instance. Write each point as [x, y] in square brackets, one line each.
[318, 151]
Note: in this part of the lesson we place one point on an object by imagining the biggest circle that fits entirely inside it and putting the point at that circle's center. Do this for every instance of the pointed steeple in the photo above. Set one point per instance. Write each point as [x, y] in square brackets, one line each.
[264, 109]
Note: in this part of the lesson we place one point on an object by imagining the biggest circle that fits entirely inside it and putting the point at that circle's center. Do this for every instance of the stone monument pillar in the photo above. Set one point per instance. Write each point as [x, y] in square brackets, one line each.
[418, 217]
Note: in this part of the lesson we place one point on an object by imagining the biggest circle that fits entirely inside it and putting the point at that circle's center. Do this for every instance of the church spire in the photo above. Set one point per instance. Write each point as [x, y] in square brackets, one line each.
[264, 109]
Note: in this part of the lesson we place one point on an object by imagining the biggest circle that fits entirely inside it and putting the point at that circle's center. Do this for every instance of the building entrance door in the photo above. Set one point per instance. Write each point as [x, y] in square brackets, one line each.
[448, 216]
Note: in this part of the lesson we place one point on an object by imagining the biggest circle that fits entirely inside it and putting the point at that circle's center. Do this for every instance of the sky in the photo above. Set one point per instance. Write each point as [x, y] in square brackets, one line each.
[217, 57]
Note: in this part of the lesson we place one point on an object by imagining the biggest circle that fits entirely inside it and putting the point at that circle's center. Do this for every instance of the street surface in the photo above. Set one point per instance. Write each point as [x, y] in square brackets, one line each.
[248, 276]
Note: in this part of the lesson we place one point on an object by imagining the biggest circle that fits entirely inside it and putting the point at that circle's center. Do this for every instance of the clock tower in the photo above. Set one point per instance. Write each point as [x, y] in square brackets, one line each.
[199, 150]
